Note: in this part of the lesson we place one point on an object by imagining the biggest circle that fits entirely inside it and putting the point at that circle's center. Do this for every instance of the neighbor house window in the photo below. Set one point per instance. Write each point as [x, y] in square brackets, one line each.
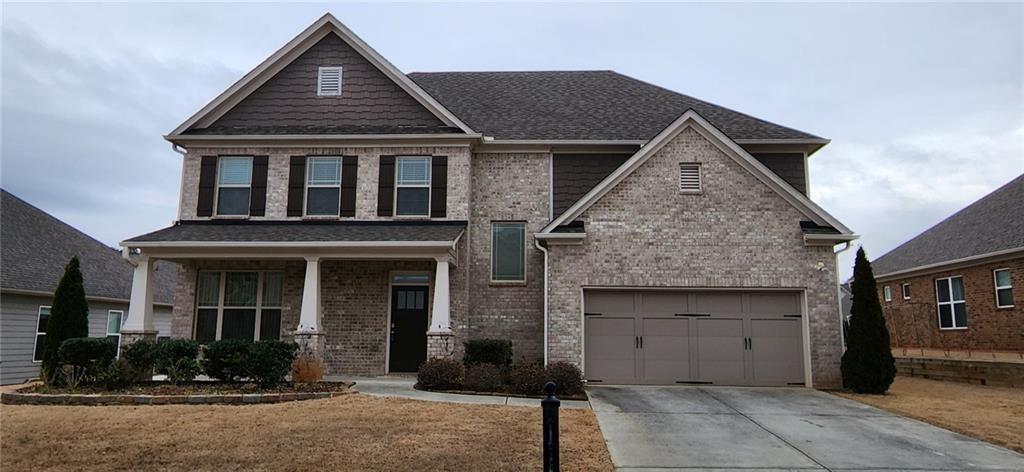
[238, 305]
[905, 288]
[114, 320]
[508, 252]
[1004, 288]
[412, 187]
[949, 292]
[323, 185]
[887, 293]
[234, 177]
[42, 318]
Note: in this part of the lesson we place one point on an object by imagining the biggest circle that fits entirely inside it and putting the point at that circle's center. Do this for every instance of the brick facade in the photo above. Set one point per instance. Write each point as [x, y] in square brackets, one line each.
[914, 323]
[737, 233]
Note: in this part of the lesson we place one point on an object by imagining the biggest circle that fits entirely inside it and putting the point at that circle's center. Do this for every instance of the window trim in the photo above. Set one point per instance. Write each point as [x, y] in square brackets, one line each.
[260, 277]
[428, 186]
[218, 186]
[35, 339]
[951, 302]
[995, 281]
[106, 328]
[320, 77]
[307, 186]
[905, 291]
[887, 293]
[494, 281]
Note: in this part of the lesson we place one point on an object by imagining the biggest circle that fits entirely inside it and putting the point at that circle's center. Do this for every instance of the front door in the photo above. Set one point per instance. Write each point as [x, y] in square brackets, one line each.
[409, 320]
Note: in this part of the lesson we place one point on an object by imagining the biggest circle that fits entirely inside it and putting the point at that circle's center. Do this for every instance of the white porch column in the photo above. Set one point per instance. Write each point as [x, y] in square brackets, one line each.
[309, 314]
[440, 315]
[140, 306]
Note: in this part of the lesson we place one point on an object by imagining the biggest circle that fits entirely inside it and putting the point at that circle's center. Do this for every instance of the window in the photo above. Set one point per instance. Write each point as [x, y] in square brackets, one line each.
[234, 176]
[905, 288]
[508, 252]
[1004, 288]
[412, 187]
[689, 178]
[238, 305]
[41, 320]
[887, 293]
[114, 319]
[952, 308]
[323, 185]
[328, 81]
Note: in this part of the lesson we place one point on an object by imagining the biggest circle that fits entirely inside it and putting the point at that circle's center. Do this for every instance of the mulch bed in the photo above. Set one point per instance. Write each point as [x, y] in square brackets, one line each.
[191, 388]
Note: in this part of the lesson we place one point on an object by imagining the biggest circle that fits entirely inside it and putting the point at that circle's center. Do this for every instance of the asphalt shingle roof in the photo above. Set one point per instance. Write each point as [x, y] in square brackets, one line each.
[579, 105]
[993, 223]
[35, 247]
[325, 231]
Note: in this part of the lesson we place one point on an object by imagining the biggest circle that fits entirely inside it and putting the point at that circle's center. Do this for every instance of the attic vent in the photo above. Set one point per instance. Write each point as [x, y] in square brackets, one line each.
[689, 178]
[328, 82]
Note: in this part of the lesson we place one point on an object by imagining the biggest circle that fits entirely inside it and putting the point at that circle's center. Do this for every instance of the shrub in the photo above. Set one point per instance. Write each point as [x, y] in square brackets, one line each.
[488, 351]
[867, 365]
[441, 374]
[176, 358]
[183, 369]
[528, 378]
[92, 355]
[307, 368]
[227, 360]
[140, 357]
[484, 378]
[69, 318]
[119, 374]
[567, 378]
[270, 361]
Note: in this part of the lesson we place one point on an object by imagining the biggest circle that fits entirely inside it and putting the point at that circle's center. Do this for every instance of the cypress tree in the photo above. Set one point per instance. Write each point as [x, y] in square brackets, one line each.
[868, 365]
[69, 317]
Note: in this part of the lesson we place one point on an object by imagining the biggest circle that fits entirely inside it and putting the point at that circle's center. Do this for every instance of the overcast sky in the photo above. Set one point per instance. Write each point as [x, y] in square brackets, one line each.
[923, 102]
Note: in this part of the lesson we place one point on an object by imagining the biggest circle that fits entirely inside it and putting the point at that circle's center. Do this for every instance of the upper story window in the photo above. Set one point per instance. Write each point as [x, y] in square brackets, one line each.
[887, 293]
[690, 178]
[905, 288]
[234, 180]
[508, 252]
[323, 186]
[949, 292]
[328, 81]
[41, 320]
[238, 305]
[412, 186]
[1004, 288]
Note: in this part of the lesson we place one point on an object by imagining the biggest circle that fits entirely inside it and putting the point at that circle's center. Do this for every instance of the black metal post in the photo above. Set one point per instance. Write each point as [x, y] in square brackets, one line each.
[550, 405]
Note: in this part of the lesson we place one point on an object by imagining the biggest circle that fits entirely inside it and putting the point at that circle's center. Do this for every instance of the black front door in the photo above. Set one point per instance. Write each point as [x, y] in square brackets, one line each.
[408, 328]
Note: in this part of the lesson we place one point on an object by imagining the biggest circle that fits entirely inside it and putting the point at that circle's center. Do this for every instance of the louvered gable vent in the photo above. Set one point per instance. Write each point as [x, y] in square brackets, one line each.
[329, 81]
[689, 178]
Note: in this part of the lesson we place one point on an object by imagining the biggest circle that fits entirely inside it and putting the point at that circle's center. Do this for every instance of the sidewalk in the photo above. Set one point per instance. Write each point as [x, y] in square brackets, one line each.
[401, 387]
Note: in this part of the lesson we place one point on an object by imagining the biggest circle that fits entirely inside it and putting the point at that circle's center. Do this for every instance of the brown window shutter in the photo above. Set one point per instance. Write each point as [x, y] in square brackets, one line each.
[207, 185]
[258, 191]
[438, 186]
[349, 172]
[386, 187]
[296, 185]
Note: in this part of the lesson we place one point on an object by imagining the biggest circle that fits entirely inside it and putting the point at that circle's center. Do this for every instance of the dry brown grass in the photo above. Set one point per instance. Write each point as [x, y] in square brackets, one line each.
[351, 432]
[993, 414]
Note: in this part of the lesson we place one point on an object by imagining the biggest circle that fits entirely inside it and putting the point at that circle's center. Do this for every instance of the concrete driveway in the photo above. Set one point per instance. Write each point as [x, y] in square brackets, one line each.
[749, 428]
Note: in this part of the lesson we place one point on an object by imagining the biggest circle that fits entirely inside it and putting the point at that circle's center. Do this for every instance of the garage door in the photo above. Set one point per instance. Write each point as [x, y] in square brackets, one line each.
[721, 338]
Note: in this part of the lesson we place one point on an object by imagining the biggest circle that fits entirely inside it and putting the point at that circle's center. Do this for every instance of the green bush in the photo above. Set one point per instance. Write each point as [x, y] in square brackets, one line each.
[69, 318]
[441, 374]
[488, 351]
[484, 378]
[227, 360]
[867, 365]
[93, 355]
[270, 361]
[176, 358]
[567, 377]
[140, 357]
[183, 369]
[528, 378]
[119, 374]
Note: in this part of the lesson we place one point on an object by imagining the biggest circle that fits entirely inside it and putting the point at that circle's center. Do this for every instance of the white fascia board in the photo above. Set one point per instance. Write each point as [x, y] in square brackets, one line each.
[1006, 253]
[784, 141]
[288, 244]
[343, 139]
[567, 142]
[692, 119]
[548, 236]
[40, 293]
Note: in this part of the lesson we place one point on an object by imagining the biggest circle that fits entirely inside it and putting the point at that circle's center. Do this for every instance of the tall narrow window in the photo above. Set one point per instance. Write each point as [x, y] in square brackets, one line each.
[114, 320]
[905, 288]
[412, 186]
[1004, 288]
[949, 292]
[270, 310]
[234, 179]
[887, 293]
[238, 305]
[508, 252]
[41, 320]
[323, 185]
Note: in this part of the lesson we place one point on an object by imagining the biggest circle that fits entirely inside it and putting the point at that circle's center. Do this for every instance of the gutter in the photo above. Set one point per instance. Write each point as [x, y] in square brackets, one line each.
[839, 296]
[544, 250]
[40, 293]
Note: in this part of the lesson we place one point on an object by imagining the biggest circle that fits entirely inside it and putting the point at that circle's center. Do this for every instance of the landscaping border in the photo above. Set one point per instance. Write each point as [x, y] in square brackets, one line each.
[17, 398]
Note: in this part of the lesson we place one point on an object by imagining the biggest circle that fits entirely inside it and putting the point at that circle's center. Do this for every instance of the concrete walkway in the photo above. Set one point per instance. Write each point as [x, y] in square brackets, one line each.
[737, 428]
[401, 387]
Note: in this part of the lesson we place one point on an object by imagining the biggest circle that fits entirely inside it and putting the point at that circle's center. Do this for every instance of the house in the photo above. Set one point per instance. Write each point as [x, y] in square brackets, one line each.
[952, 286]
[380, 218]
[36, 247]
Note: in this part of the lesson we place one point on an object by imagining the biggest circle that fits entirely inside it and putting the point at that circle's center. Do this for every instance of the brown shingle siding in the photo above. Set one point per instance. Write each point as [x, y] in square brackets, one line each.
[789, 166]
[573, 175]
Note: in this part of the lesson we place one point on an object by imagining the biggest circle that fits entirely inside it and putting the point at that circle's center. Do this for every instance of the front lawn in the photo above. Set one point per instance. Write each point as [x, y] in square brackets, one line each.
[993, 414]
[351, 432]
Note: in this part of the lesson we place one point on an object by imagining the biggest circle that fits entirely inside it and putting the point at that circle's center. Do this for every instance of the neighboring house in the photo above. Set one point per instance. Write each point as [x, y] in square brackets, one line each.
[958, 285]
[380, 218]
[35, 249]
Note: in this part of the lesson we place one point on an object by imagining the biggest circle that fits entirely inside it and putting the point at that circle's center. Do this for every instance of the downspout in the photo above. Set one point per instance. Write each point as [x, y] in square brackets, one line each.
[181, 194]
[536, 242]
[839, 297]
